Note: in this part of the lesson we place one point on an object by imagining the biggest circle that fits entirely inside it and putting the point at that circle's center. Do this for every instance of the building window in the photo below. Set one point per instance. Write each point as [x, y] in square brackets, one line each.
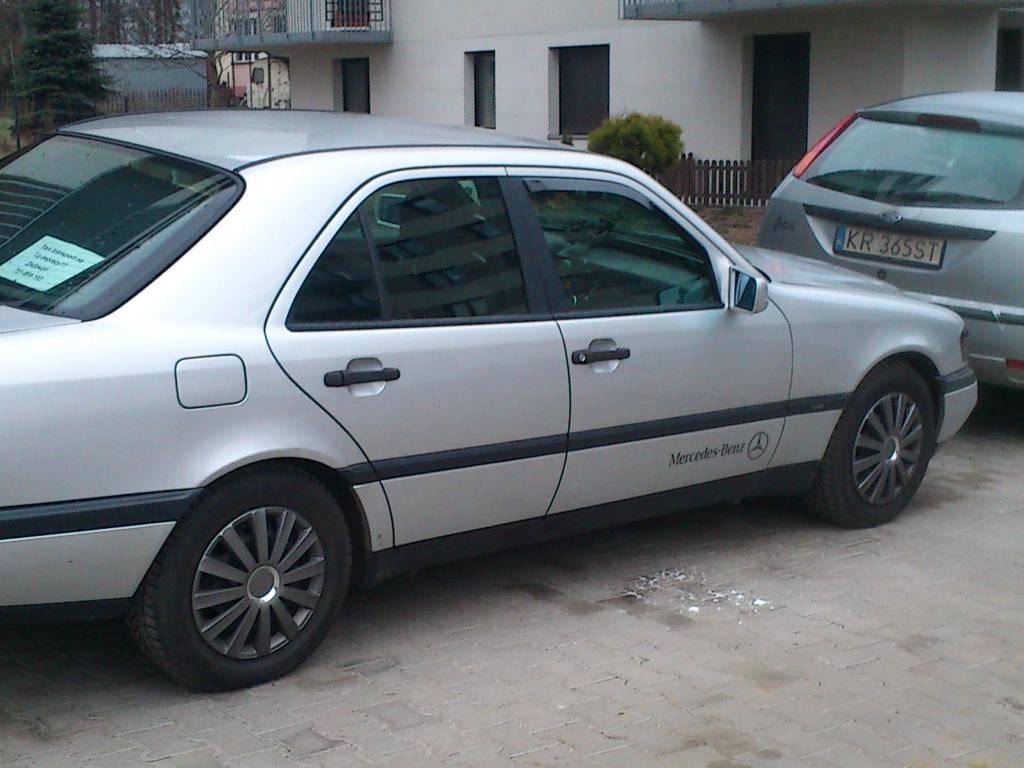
[348, 14]
[484, 92]
[354, 77]
[583, 84]
[1010, 60]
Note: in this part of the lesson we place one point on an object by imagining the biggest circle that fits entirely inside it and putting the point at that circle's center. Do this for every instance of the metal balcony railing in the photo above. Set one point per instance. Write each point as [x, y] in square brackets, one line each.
[695, 10]
[258, 24]
[650, 9]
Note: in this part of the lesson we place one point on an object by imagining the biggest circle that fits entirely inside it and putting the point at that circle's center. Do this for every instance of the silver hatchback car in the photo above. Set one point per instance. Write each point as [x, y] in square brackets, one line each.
[928, 194]
[251, 358]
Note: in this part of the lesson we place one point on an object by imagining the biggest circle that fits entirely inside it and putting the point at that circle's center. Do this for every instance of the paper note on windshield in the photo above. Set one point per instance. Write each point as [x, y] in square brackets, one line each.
[48, 263]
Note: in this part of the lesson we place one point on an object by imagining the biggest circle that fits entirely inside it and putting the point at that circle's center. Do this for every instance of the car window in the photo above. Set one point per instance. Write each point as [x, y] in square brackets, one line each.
[86, 222]
[926, 165]
[613, 251]
[342, 288]
[436, 248]
[445, 249]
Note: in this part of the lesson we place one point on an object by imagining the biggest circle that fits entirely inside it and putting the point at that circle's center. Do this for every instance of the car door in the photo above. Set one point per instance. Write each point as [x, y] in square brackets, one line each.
[669, 387]
[413, 324]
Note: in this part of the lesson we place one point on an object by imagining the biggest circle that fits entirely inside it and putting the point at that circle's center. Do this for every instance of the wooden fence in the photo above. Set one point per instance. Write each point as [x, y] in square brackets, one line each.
[725, 183]
[153, 101]
[13, 113]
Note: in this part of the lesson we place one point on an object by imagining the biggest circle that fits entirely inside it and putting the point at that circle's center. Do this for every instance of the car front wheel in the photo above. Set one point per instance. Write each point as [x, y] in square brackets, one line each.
[879, 450]
[247, 584]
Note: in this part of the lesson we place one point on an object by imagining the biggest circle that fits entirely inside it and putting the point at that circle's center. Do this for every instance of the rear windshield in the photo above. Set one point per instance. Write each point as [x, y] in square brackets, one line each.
[86, 224]
[909, 164]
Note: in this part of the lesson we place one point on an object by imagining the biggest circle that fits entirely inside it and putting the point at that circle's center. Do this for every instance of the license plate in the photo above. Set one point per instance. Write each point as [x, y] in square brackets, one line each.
[889, 246]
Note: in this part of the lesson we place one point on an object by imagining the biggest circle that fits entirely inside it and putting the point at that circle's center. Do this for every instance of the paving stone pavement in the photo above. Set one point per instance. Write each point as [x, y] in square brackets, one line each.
[737, 637]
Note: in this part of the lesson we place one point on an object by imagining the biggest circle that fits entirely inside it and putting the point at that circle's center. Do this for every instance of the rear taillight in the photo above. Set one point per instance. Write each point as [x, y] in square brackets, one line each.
[1017, 366]
[801, 168]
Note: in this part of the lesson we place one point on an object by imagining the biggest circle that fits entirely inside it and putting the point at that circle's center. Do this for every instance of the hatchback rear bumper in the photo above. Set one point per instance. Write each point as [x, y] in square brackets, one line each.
[992, 344]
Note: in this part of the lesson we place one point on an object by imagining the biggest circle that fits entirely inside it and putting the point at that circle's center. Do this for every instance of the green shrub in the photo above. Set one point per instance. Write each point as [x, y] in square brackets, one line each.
[649, 142]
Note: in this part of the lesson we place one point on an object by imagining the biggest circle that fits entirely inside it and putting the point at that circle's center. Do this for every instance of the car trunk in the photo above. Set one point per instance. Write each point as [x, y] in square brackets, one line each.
[933, 204]
[977, 255]
[12, 319]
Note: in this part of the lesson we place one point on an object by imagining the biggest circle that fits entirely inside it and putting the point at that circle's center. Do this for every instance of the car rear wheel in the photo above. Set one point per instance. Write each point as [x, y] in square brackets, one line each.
[879, 450]
[247, 584]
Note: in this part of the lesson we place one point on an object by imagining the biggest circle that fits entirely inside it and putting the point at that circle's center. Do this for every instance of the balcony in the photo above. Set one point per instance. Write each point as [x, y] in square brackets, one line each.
[706, 10]
[262, 24]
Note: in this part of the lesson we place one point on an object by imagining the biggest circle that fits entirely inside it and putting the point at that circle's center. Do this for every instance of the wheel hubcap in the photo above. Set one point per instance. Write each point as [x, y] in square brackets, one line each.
[263, 584]
[887, 449]
[258, 583]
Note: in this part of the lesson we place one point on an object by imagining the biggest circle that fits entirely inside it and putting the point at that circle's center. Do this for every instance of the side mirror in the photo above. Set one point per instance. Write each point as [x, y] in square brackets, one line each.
[747, 293]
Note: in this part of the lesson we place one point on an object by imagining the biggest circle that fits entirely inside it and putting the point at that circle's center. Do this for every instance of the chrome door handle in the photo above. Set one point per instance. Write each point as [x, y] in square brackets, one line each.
[348, 378]
[588, 356]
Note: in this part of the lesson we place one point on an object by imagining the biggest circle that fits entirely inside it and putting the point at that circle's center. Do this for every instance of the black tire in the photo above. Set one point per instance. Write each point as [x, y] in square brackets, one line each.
[165, 622]
[835, 496]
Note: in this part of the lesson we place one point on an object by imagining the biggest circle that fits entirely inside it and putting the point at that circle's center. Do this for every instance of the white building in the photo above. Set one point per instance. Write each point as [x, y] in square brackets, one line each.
[255, 79]
[743, 77]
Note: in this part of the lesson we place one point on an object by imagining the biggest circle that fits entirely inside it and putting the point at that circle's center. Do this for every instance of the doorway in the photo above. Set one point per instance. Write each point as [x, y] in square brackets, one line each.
[781, 93]
[352, 85]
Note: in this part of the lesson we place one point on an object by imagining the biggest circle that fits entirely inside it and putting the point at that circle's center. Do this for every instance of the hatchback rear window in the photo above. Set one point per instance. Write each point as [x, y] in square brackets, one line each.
[86, 224]
[924, 165]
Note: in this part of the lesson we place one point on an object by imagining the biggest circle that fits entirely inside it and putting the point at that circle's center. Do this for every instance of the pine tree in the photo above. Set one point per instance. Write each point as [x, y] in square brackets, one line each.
[57, 73]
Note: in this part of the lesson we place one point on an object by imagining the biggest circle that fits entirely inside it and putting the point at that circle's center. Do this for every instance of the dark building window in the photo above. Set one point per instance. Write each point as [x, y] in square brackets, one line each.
[583, 84]
[1009, 60]
[484, 91]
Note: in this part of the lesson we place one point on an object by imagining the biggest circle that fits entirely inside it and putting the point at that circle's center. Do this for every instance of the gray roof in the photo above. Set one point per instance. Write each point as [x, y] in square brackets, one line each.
[997, 107]
[161, 51]
[233, 138]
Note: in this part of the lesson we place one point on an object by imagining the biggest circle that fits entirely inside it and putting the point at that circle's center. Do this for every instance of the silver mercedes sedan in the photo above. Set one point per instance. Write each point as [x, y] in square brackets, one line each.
[251, 359]
[928, 194]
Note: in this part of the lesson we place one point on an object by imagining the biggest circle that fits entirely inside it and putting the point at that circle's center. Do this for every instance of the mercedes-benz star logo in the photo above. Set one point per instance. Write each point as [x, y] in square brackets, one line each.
[757, 446]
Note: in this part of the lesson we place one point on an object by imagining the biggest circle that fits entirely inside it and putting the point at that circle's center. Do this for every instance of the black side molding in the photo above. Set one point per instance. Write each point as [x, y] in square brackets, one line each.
[87, 610]
[94, 514]
[422, 464]
[954, 382]
[792, 480]
[908, 226]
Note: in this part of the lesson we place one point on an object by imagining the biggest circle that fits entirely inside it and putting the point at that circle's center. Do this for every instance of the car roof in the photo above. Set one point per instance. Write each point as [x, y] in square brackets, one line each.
[234, 138]
[998, 107]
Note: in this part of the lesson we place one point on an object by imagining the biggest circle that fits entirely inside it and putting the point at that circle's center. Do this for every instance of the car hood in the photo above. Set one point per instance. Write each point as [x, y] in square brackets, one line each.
[798, 270]
[19, 320]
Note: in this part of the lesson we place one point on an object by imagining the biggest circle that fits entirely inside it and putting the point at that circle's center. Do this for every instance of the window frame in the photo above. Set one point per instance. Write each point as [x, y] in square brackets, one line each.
[538, 307]
[557, 298]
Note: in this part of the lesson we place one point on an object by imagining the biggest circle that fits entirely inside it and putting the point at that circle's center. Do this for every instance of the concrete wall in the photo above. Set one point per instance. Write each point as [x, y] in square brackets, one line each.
[861, 57]
[697, 74]
[951, 50]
